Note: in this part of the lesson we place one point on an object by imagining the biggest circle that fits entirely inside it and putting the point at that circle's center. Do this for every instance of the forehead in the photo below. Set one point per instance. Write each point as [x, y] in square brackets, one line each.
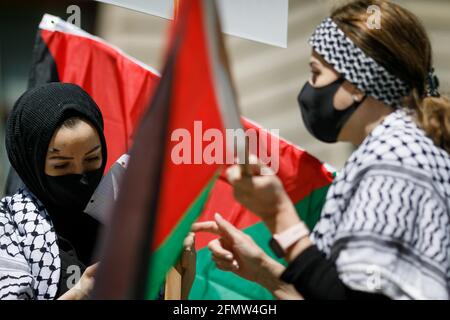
[81, 136]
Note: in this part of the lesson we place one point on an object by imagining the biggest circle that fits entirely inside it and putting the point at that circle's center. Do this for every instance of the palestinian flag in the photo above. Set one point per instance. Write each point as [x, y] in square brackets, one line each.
[159, 198]
[122, 87]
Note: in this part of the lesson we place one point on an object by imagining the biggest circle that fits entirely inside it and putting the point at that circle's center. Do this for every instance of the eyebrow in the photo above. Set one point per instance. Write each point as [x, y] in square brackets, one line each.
[92, 150]
[69, 158]
[56, 157]
[314, 64]
[61, 158]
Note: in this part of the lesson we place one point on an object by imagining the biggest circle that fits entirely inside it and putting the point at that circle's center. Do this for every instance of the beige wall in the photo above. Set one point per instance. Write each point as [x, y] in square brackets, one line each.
[268, 78]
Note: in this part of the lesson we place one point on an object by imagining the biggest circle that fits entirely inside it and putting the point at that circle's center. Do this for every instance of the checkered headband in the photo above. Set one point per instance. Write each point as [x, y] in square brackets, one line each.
[355, 66]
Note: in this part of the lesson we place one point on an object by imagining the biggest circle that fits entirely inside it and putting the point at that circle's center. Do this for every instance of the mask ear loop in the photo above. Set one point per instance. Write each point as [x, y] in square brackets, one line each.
[354, 96]
[356, 100]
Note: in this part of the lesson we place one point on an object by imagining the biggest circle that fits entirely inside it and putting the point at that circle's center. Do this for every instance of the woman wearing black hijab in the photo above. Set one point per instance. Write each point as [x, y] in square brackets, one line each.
[55, 142]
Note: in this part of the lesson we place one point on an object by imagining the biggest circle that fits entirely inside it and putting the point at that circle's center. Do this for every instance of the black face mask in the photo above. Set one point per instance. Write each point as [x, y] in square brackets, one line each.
[72, 192]
[320, 116]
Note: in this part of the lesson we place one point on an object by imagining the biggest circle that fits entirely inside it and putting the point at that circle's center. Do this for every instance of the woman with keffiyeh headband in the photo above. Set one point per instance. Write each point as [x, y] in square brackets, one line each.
[384, 230]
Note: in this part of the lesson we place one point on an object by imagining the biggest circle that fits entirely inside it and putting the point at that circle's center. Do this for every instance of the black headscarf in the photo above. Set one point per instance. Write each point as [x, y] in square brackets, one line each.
[34, 119]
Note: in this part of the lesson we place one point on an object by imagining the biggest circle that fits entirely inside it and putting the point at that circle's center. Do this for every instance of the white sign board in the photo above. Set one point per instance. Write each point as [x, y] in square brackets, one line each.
[259, 20]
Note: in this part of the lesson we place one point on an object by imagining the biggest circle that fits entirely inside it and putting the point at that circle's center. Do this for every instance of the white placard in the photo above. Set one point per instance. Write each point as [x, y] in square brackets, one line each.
[259, 20]
[160, 8]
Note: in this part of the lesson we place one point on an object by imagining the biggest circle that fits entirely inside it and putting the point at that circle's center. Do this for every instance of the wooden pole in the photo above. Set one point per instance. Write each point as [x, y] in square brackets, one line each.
[173, 285]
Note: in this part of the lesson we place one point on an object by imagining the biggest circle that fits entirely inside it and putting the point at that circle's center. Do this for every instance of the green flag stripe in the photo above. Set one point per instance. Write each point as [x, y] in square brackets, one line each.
[309, 208]
[167, 254]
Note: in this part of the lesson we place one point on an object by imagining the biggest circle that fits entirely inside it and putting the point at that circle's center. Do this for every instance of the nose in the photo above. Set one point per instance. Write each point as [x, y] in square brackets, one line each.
[78, 168]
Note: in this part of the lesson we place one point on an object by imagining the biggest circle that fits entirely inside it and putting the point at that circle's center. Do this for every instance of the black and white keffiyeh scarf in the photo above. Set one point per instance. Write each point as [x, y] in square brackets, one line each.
[355, 66]
[30, 264]
[385, 223]
[29, 254]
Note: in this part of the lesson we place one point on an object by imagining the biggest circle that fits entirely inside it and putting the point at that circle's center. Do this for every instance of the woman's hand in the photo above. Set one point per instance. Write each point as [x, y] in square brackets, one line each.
[234, 251]
[83, 288]
[263, 194]
[237, 252]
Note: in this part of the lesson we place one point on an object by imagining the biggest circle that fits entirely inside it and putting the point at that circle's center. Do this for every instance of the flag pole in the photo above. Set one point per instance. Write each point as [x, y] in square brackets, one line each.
[173, 285]
[223, 80]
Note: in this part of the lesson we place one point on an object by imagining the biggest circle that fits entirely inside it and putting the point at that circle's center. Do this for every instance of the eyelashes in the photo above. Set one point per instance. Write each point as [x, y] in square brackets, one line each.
[93, 159]
[65, 165]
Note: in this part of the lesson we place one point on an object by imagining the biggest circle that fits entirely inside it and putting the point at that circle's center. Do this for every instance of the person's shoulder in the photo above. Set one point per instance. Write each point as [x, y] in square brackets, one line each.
[399, 147]
[20, 203]
[399, 141]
